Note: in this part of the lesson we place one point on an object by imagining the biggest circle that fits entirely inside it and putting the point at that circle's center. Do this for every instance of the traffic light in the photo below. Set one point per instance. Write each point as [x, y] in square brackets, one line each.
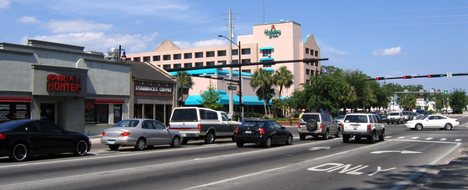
[436, 75]
[379, 78]
[407, 77]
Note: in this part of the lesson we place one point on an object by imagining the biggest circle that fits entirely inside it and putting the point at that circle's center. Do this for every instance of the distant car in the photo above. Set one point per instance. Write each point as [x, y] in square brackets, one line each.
[21, 139]
[433, 121]
[362, 125]
[261, 132]
[139, 133]
[339, 119]
[317, 124]
[395, 117]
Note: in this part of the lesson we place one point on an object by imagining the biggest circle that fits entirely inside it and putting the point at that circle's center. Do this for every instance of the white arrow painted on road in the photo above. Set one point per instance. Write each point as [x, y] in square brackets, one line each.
[396, 151]
[320, 148]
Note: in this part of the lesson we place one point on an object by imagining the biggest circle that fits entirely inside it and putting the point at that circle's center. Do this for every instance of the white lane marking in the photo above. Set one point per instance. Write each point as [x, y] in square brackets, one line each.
[437, 142]
[388, 137]
[320, 148]
[443, 139]
[429, 138]
[402, 137]
[395, 151]
[458, 140]
[414, 138]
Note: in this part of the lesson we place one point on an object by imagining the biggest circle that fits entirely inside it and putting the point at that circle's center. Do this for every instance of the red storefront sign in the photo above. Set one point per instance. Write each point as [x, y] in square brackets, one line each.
[63, 83]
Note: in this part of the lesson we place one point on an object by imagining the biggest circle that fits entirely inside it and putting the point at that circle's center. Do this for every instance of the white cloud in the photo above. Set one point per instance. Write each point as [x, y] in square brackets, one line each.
[199, 44]
[99, 41]
[28, 20]
[333, 51]
[4, 3]
[76, 26]
[387, 52]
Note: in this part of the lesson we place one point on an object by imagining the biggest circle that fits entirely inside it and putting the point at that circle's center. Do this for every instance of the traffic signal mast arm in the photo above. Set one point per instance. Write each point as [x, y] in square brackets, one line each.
[420, 76]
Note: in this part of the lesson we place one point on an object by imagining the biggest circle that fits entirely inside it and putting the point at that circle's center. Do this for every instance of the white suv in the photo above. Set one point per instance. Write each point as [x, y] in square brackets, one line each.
[359, 125]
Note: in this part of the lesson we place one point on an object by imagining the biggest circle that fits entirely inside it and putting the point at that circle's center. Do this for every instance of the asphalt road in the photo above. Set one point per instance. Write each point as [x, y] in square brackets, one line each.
[403, 158]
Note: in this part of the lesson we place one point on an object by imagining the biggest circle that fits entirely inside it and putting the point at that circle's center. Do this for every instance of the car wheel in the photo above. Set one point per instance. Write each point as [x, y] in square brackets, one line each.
[114, 147]
[175, 142]
[372, 138]
[19, 152]
[289, 140]
[240, 144]
[302, 136]
[209, 138]
[418, 127]
[81, 148]
[325, 136]
[345, 138]
[267, 143]
[448, 126]
[140, 145]
[184, 141]
[382, 136]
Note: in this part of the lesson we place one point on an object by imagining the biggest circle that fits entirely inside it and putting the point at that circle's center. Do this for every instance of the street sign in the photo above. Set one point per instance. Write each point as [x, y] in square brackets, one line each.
[449, 74]
[232, 87]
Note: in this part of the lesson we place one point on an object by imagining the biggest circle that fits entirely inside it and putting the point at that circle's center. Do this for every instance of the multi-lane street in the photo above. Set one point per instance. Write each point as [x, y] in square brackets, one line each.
[402, 160]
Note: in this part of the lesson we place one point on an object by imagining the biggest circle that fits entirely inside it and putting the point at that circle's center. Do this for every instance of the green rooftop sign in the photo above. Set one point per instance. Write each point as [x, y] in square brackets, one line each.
[273, 32]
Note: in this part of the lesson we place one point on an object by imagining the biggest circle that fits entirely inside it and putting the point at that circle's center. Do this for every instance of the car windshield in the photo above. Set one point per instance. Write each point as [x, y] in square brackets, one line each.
[253, 124]
[395, 113]
[127, 123]
[12, 124]
[356, 119]
[340, 117]
[307, 117]
[184, 115]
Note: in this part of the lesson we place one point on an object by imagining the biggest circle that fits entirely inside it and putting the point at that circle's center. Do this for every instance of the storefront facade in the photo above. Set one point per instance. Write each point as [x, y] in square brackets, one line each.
[78, 90]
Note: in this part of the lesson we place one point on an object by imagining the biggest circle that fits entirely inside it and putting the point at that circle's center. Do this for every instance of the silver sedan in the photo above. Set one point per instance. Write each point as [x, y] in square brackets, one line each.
[139, 133]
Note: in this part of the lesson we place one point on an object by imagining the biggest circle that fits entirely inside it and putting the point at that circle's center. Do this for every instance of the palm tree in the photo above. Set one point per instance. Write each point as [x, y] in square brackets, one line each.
[185, 82]
[261, 81]
[283, 78]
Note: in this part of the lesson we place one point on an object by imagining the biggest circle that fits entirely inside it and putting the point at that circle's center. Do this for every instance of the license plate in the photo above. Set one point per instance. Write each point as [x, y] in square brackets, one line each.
[355, 125]
[248, 132]
[183, 135]
[110, 142]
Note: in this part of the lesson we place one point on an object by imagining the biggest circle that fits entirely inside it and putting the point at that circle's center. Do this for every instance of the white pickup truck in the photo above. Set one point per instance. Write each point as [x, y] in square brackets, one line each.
[195, 123]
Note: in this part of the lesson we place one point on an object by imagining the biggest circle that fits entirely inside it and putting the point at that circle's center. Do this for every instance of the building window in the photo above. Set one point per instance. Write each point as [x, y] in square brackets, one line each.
[221, 53]
[177, 66]
[138, 111]
[187, 65]
[210, 54]
[148, 111]
[266, 52]
[137, 59]
[198, 54]
[307, 72]
[247, 71]
[246, 51]
[210, 63]
[146, 59]
[221, 62]
[317, 72]
[96, 113]
[14, 111]
[199, 64]
[117, 113]
[235, 61]
[316, 53]
[307, 51]
[166, 57]
[157, 58]
[177, 56]
[235, 52]
[166, 67]
[316, 63]
[187, 55]
[245, 61]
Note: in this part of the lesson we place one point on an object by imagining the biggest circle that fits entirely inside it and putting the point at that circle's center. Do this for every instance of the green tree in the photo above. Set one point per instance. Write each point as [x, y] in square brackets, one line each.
[262, 83]
[458, 101]
[407, 101]
[283, 78]
[184, 82]
[211, 98]
[364, 92]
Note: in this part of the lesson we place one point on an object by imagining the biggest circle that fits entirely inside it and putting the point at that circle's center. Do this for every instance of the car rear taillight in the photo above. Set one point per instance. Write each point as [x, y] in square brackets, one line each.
[261, 131]
[237, 130]
[2, 136]
[199, 127]
[369, 127]
[322, 125]
[299, 125]
[104, 134]
[125, 134]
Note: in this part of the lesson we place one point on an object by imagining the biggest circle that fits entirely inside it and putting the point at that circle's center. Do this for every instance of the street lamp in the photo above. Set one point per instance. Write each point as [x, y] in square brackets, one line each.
[239, 62]
[122, 56]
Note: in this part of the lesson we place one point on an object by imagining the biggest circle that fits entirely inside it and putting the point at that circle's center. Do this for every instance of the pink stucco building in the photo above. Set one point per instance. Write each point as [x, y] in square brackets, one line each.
[273, 41]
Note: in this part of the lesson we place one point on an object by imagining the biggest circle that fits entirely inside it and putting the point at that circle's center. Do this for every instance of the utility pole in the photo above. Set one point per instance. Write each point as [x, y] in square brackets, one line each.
[231, 101]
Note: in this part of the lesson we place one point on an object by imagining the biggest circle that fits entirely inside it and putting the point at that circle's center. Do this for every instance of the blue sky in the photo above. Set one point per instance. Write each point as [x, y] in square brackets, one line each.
[378, 37]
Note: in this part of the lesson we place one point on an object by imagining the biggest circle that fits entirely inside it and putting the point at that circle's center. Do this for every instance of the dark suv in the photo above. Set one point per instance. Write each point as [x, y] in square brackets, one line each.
[261, 132]
[316, 124]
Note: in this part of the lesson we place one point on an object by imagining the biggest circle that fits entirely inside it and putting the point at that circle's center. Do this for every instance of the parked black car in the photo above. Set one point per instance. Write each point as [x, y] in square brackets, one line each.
[21, 139]
[262, 132]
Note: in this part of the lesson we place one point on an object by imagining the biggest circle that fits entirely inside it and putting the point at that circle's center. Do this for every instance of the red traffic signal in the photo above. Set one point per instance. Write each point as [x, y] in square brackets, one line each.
[436, 75]
[407, 77]
[379, 78]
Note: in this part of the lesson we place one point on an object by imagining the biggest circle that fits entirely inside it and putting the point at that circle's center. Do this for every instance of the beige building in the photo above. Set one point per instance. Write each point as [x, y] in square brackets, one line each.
[268, 42]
